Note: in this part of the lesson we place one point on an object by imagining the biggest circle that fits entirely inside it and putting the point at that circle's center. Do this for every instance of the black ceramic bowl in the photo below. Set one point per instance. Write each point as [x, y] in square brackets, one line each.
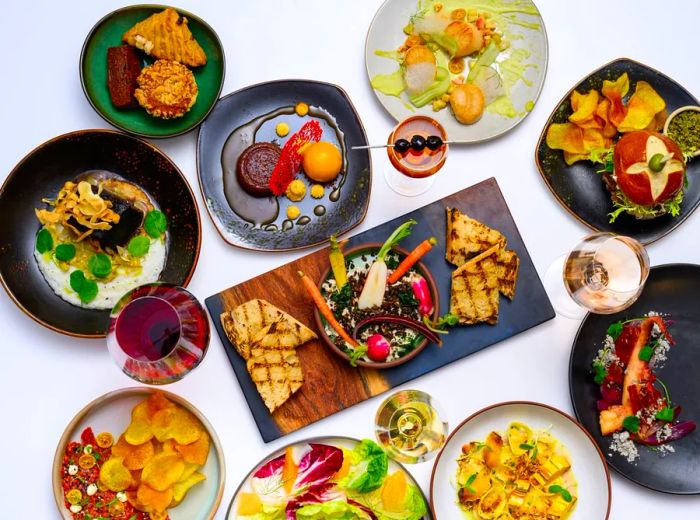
[239, 108]
[42, 173]
[579, 188]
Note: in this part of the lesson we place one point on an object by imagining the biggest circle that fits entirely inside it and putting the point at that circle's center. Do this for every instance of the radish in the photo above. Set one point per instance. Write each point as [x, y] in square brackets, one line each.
[378, 348]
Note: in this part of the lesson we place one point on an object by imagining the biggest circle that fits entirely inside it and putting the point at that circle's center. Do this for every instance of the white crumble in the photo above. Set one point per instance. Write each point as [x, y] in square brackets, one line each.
[625, 446]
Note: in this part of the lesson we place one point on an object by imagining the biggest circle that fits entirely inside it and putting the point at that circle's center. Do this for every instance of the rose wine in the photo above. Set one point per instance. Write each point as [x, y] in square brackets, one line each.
[408, 425]
[606, 273]
[413, 163]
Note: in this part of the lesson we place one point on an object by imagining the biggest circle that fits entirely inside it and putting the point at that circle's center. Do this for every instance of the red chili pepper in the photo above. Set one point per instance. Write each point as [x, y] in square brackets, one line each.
[422, 293]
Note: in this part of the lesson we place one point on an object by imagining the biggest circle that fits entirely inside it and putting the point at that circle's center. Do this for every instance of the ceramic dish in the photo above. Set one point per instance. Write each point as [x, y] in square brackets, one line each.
[671, 289]
[42, 173]
[587, 462]
[320, 217]
[580, 189]
[93, 73]
[386, 34]
[112, 413]
[341, 442]
[363, 255]
[676, 112]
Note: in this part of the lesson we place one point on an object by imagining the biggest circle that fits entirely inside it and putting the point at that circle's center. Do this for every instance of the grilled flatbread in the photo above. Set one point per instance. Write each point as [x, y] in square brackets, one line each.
[467, 237]
[475, 287]
[507, 265]
[276, 372]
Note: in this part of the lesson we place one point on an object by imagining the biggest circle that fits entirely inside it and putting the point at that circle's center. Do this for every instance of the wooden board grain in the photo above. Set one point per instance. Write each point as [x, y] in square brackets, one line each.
[330, 384]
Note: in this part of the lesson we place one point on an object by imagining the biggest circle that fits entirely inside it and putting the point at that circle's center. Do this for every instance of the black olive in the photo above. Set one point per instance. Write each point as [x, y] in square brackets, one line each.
[402, 145]
[418, 143]
[433, 142]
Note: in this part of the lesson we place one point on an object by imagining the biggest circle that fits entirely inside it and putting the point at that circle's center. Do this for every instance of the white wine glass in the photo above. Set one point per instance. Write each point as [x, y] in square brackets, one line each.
[603, 274]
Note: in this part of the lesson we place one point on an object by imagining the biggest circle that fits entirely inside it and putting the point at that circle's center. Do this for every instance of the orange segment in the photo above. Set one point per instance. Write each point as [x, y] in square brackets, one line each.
[394, 492]
[289, 471]
[249, 504]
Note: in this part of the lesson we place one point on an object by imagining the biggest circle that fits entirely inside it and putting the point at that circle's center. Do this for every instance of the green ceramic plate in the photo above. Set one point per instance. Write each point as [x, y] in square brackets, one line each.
[93, 73]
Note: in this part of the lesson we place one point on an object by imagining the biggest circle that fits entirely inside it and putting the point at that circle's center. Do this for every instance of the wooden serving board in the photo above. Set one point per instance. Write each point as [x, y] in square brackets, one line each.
[330, 383]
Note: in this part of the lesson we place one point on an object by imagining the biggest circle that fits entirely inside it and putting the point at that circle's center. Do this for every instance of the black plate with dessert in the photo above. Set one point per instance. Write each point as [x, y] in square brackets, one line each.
[276, 165]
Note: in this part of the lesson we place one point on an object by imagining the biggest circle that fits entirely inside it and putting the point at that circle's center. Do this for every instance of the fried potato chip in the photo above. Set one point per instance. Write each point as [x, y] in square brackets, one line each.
[601, 112]
[592, 138]
[190, 467]
[114, 475]
[168, 445]
[197, 451]
[157, 402]
[614, 91]
[163, 470]
[140, 412]
[571, 158]
[135, 456]
[181, 488]
[135, 477]
[565, 136]
[138, 432]
[642, 108]
[150, 499]
[584, 106]
[178, 424]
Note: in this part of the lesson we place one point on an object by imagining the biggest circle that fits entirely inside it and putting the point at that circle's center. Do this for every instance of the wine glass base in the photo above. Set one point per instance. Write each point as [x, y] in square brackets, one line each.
[405, 185]
[562, 302]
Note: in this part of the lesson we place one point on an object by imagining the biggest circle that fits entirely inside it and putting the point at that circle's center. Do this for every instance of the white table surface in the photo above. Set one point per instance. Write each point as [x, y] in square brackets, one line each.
[46, 377]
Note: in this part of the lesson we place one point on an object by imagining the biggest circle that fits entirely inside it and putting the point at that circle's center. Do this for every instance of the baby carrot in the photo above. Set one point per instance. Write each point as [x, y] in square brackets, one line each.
[324, 309]
[411, 259]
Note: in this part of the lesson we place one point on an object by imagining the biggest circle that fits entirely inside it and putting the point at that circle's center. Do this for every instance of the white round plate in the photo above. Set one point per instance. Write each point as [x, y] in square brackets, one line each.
[588, 464]
[386, 34]
[339, 442]
[112, 413]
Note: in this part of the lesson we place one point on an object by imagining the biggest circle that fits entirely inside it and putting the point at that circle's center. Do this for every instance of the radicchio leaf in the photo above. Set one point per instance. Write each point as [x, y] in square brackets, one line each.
[315, 494]
[318, 465]
[366, 509]
[271, 468]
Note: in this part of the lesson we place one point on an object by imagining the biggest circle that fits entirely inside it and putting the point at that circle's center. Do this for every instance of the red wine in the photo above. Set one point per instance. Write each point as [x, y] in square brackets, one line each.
[148, 329]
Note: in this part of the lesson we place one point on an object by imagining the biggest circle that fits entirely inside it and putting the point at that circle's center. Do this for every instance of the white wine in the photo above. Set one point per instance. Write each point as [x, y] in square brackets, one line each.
[409, 427]
[606, 273]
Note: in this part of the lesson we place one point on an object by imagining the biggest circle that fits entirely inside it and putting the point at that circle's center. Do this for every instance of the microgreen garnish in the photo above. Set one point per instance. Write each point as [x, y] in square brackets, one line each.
[408, 298]
[525, 446]
[646, 352]
[65, 252]
[44, 241]
[444, 321]
[356, 353]
[469, 482]
[615, 329]
[86, 289]
[139, 246]
[631, 423]
[100, 265]
[666, 413]
[563, 492]
[155, 223]
[600, 372]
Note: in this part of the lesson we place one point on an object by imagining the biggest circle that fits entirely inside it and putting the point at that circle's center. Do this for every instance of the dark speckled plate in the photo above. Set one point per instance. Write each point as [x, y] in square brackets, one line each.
[671, 289]
[242, 106]
[580, 189]
[42, 173]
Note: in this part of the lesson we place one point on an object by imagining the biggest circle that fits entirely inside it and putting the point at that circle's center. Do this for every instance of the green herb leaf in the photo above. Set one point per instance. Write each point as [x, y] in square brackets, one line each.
[665, 414]
[100, 265]
[86, 289]
[65, 252]
[399, 234]
[356, 353]
[44, 241]
[631, 423]
[392, 262]
[646, 352]
[563, 492]
[139, 246]
[600, 372]
[408, 298]
[469, 482]
[525, 446]
[342, 298]
[615, 329]
[155, 223]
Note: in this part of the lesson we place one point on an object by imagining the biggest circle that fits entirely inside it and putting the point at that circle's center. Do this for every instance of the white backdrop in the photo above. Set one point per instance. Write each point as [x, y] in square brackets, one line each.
[46, 377]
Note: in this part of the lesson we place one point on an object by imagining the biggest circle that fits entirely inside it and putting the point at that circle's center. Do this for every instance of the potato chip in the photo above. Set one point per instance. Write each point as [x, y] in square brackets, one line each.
[138, 432]
[140, 412]
[614, 91]
[642, 108]
[592, 139]
[181, 488]
[168, 445]
[163, 470]
[584, 106]
[178, 424]
[565, 136]
[571, 158]
[601, 112]
[114, 475]
[135, 477]
[150, 499]
[157, 402]
[196, 452]
[135, 456]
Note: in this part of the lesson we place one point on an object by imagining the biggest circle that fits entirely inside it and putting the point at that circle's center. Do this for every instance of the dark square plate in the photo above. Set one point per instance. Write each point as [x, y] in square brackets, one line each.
[580, 189]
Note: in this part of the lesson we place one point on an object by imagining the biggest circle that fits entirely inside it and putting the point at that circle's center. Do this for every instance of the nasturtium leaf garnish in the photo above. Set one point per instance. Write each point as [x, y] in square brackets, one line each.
[155, 223]
[563, 492]
[631, 423]
[615, 329]
[665, 414]
[44, 241]
[86, 289]
[65, 252]
[139, 246]
[646, 352]
[100, 265]
[600, 372]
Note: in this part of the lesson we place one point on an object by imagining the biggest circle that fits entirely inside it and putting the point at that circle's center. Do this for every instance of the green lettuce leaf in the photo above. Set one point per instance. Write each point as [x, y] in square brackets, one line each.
[335, 510]
[624, 205]
[369, 467]
[268, 513]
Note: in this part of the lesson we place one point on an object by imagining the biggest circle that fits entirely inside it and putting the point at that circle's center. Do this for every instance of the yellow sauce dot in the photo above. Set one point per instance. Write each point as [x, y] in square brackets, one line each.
[301, 109]
[293, 212]
[282, 129]
[317, 191]
[296, 190]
